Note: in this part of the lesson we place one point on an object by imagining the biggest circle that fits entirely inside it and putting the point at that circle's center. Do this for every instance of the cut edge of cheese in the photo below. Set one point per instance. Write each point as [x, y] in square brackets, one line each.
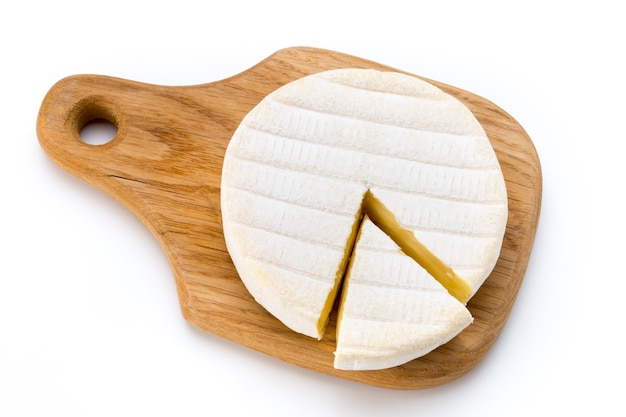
[411, 246]
[344, 267]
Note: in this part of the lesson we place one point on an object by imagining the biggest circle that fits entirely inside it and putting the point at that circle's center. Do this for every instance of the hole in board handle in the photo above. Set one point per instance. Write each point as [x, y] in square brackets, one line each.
[98, 131]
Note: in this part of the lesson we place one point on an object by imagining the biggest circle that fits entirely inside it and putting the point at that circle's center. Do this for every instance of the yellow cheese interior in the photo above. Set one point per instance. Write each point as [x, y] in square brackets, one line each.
[346, 280]
[343, 268]
[412, 247]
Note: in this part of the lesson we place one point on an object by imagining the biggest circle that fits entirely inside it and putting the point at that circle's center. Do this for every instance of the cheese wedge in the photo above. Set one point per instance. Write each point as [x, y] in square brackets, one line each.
[391, 310]
[315, 155]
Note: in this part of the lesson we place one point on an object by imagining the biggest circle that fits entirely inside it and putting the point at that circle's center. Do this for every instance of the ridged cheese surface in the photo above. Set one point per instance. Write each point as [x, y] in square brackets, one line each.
[392, 310]
[299, 165]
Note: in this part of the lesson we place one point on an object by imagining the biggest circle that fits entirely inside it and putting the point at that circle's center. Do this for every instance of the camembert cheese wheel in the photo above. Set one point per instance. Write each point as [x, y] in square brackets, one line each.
[315, 156]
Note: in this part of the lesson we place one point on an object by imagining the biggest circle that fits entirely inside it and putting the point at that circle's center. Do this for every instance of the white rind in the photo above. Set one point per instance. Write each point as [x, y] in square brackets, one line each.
[297, 168]
[392, 310]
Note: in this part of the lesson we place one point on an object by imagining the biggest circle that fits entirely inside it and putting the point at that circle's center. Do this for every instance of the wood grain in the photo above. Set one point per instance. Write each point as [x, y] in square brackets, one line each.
[165, 165]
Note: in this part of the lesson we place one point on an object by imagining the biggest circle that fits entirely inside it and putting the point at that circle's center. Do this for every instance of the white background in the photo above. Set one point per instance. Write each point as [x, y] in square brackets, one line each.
[89, 318]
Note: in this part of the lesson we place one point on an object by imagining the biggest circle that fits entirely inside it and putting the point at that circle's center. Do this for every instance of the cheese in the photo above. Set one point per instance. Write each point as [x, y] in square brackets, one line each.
[314, 156]
[392, 310]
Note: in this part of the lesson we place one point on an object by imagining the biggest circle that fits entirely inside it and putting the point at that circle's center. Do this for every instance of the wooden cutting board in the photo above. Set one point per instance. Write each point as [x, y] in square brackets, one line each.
[165, 164]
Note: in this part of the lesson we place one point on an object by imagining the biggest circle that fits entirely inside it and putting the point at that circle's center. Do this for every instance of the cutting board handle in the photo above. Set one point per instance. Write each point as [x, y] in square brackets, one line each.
[77, 100]
[163, 134]
[69, 105]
